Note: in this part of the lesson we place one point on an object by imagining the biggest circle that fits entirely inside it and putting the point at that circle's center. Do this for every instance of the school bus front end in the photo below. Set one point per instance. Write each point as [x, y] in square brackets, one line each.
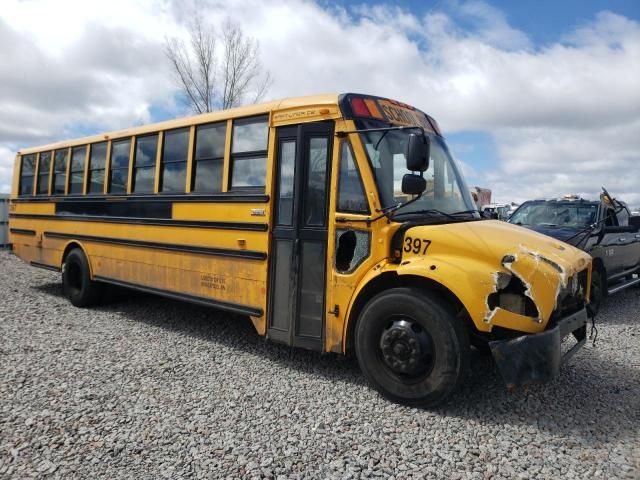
[444, 278]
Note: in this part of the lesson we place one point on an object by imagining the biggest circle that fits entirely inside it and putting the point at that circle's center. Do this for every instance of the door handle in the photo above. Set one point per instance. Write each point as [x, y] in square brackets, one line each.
[622, 239]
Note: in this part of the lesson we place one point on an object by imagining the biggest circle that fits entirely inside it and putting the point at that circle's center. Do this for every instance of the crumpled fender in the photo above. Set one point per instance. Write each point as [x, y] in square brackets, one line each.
[472, 280]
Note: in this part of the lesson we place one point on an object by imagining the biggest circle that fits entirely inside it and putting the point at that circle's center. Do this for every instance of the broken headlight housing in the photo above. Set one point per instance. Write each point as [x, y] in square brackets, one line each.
[512, 295]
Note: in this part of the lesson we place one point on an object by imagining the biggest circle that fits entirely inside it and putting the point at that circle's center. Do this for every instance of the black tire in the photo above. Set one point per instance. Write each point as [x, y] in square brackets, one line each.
[384, 332]
[76, 280]
[597, 292]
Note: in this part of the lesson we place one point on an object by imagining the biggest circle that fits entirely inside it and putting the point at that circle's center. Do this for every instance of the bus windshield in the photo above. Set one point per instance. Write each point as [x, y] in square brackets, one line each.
[446, 192]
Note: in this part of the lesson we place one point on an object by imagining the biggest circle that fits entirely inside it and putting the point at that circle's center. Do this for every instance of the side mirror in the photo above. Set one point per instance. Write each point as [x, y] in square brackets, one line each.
[413, 184]
[417, 152]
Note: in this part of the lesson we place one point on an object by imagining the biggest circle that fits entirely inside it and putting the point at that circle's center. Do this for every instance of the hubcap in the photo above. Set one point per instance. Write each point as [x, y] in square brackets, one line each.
[406, 347]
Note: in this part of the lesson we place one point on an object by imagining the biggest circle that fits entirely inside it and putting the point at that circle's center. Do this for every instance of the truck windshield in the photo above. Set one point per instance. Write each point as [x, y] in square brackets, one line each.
[555, 214]
[446, 193]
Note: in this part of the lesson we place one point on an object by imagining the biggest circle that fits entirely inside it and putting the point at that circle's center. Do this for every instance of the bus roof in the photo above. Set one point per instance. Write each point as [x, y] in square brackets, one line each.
[219, 115]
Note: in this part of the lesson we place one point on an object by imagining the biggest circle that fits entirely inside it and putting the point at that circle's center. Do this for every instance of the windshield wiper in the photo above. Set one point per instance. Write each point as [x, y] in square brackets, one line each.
[433, 211]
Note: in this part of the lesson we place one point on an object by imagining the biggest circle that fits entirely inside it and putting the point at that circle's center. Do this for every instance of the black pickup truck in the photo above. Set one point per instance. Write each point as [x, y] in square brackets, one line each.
[605, 229]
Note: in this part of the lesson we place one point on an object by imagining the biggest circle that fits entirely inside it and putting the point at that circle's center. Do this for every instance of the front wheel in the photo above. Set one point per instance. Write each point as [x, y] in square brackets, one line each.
[411, 347]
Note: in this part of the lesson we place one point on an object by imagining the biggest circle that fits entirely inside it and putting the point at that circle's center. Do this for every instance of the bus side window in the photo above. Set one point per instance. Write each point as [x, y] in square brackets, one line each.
[97, 162]
[27, 174]
[208, 158]
[43, 173]
[173, 173]
[351, 196]
[249, 152]
[60, 159]
[119, 167]
[144, 164]
[76, 176]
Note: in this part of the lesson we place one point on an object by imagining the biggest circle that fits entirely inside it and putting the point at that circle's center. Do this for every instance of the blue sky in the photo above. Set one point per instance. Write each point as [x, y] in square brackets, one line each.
[536, 99]
[544, 21]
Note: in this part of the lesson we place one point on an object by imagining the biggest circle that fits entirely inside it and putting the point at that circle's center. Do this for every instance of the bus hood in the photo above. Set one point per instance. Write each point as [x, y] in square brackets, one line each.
[477, 260]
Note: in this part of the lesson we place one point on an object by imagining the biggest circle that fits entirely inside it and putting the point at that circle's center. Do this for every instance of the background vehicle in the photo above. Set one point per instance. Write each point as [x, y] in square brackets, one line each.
[481, 196]
[497, 211]
[336, 223]
[603, 228]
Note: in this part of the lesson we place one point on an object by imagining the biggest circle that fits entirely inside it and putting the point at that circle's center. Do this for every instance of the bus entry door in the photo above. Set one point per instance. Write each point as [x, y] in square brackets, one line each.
[299, 243]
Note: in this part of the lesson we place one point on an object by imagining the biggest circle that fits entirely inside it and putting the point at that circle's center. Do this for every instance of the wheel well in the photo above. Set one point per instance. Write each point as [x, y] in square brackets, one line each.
[68, 249]
[390, 280]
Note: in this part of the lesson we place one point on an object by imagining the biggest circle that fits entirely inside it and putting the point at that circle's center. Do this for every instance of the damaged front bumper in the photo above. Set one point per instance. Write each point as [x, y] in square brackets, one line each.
[538, 357]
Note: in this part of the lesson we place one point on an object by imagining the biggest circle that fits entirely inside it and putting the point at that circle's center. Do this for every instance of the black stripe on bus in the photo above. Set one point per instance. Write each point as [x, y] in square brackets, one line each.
[45, 266]
[250, 226]
[21, 231]
[207, 302]
[223, 252]
[230, 197]
[126, 209]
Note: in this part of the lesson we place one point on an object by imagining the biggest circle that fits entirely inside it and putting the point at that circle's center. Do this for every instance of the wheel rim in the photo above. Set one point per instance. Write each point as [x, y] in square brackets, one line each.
[406, 349]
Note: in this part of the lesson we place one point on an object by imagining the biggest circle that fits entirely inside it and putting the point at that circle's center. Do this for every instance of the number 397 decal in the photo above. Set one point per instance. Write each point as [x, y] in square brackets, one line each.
[416, 245]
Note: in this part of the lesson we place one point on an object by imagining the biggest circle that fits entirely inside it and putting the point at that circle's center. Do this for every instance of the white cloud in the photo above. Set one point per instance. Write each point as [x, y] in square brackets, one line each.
[493, 27]
[559, 161]
[561, 115]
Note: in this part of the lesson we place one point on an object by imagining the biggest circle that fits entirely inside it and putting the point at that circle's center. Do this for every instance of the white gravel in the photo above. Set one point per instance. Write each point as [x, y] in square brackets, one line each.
[144, 387]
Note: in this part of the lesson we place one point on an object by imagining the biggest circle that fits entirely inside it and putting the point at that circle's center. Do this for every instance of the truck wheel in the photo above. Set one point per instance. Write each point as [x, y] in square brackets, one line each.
[411, 347]
[76, 280]
[597, 292]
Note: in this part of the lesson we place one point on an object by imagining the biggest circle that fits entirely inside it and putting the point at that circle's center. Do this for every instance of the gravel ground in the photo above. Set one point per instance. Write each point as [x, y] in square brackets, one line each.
[144, 387]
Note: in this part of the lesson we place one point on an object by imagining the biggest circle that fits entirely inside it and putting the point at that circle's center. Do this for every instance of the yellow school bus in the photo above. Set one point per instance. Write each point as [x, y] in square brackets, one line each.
[337, 223]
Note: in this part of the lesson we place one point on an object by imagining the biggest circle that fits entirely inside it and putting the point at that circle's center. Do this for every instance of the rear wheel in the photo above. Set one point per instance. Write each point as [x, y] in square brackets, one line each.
[76, 280]
[411, 347]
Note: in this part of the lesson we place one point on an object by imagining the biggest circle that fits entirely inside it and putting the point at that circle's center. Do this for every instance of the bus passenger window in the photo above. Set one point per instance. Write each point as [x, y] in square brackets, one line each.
[119, 167]
[208, 158]
[249, 153]
[27, 172]
[44, 165]
[173, 174]
[97, 162]
[76, 176]
[351, 197]
[145, 164]
[60, 171]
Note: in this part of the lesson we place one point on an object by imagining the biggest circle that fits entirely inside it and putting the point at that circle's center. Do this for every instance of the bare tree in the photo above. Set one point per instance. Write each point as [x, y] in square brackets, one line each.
[208, 83]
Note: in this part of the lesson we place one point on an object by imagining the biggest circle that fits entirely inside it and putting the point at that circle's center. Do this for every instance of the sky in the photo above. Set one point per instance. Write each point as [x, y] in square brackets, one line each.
[536, 99]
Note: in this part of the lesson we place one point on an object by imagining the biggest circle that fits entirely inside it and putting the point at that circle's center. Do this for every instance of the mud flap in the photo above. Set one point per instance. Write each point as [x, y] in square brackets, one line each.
[537, 357]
